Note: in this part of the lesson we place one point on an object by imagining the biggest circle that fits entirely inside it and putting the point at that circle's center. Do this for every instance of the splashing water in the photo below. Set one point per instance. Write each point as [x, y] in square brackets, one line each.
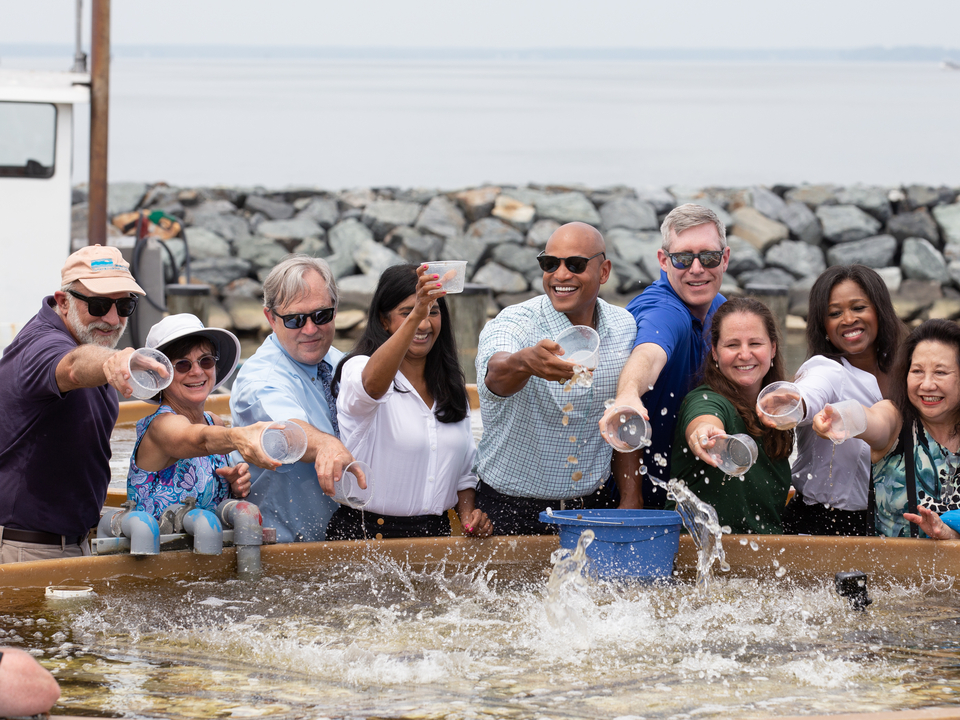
[582, 377]
[567, 596]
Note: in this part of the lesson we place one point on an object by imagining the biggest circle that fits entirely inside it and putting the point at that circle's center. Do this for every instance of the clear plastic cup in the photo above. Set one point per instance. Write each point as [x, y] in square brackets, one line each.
[146, 376]
[849, 420]
[782, 403]
[452, 274]
[626, 430]
[581, 346]
[347, 490]
[734, 454]
[284, 441]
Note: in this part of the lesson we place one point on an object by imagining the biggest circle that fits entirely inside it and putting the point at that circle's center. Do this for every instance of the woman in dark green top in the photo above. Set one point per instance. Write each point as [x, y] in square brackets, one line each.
[743, 360]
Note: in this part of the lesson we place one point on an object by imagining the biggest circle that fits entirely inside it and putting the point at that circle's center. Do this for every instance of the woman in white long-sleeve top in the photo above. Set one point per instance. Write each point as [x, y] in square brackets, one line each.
[403, 410]
[852, 337]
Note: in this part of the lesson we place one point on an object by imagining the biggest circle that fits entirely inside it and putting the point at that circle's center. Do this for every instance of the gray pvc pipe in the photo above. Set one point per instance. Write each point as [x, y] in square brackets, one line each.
[206, 530]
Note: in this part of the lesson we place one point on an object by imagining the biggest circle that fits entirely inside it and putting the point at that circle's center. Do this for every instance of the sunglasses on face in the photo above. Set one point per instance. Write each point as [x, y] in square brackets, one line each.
[575, 264]
[206, 362]
[100, 306]
[707, 258]
[298, 320]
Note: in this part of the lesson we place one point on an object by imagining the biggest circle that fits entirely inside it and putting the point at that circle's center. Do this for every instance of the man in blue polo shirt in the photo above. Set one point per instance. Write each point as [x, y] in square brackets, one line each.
[673, 316]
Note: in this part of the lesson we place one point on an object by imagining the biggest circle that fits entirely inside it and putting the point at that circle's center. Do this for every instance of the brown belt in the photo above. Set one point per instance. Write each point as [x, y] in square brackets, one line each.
[40, 538]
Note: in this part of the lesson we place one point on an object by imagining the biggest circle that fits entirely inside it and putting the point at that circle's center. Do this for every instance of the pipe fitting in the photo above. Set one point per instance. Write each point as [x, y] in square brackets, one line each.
[206, 530]
[143, 531]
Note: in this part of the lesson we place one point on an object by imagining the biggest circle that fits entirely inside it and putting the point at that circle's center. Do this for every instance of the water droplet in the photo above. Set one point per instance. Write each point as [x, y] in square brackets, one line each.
[607, 404]
[781, 572]
[572, 459]
[743, 541]
[776, 563]
[573, 438]
[705, 397]
[633, 430]
[623, 419]
[649, 387]
[706, 481]
[663, 412]
[671, 394]
[568, 407]
[753, 545]
[565, 421]
[576, 476]
[643, 470]
[755, 517]
[809, 476]
[726, 530]
[725, 566]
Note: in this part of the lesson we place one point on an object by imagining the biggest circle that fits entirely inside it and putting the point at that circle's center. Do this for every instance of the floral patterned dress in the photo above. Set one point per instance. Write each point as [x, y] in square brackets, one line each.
[937, 476]
[154, 492]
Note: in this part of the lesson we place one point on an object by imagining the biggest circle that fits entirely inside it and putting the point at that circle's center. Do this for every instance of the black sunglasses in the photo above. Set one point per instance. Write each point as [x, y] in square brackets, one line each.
[575, 264]
[707, 258]
[206, 362]
[298, 320]
[100, 306]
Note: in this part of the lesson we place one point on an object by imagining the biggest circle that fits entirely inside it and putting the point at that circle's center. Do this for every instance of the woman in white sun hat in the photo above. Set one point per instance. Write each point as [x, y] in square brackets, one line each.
[181, 450]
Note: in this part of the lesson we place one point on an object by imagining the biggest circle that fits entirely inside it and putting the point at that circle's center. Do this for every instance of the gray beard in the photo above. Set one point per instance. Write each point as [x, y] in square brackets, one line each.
[85, 333]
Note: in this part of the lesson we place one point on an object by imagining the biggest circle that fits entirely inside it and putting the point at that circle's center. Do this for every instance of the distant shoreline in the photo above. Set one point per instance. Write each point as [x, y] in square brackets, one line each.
[761, 55]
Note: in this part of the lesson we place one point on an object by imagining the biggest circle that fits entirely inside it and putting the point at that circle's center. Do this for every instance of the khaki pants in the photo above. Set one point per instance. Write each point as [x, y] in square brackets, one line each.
[12, 551]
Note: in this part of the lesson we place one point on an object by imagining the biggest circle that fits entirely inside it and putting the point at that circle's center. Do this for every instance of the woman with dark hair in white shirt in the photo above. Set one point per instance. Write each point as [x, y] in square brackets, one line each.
[403, 410]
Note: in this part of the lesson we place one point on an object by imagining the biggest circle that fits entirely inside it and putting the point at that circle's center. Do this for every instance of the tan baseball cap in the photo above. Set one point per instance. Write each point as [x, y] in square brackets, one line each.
[101, 269]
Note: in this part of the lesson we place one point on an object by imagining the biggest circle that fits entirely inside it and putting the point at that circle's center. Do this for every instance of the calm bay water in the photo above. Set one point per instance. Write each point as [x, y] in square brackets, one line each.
[339, 123]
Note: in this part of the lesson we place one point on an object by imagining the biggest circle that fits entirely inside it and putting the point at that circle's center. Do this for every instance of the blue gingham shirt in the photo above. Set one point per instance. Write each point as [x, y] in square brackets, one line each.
[526, 450]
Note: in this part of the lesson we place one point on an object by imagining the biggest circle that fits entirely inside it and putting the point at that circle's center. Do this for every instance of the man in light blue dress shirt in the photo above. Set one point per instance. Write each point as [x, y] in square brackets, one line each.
[288, 378]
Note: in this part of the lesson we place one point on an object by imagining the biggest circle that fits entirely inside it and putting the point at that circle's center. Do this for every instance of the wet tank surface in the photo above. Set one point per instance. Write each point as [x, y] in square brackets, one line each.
[379, 638]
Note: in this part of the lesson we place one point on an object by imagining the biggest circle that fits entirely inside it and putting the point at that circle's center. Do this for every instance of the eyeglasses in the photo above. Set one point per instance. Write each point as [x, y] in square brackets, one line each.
[206, 362]
[575, 264]
[707, 258]
[298, 320]
[100, 306]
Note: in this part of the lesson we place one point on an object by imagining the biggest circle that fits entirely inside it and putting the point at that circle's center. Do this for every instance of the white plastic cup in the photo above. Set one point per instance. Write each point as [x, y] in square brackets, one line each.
[849, 420]
[145, 379]
[347, 490]
[452, 274]
[284, 441]
[782, 403]
[626, 430]
[734, 454]
[581, 346]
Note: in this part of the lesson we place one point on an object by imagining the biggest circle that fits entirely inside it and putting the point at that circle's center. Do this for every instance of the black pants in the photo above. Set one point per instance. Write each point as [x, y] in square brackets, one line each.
[798, 518]
[513, 515]
[349, 524]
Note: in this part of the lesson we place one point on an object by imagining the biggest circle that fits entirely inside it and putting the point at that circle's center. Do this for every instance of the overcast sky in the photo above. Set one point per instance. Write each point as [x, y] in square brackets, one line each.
[741, 24]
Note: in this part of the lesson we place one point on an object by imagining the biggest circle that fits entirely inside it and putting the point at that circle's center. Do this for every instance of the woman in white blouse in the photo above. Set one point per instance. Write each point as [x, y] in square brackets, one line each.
[403, 409]
[852, 337]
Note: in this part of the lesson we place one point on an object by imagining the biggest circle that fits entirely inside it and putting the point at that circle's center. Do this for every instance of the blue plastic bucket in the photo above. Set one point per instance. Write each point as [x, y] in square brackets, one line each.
[634, 544]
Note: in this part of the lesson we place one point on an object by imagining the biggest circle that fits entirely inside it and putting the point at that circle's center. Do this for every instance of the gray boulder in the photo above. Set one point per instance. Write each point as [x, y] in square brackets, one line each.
[491, 231]
[209, 207]
[844, 223]
[471, 249]
[869, 198]
[629, 213]
[124, 196]
[948, 218]
[540, 232]
[914, 224]
[347, 235]
[799, 297]
[744, 257]
[290, 232]
[892, 277]
[243, 287]
[323, 211]
[813, 196]
[228, 226]
[357, 290]
[356, 198]
[662, 201]
[875, 252]
[766, 276]
[442, 217]
[341, 264]
[219, 271]
[951, 251]
[273, 209]
[373, 258]
[798, 258]
[525, 195]
[500, 279]
[414, 246]
[920, 260]
[382, 216]
[246, 314]
[261, 252]
[204, 244]
[314, 247]
[568, 207]
[628, 276]
[636, 248]
[768, 203]
[521, 258]
[757, 229]
[801, 221]
[919, 196]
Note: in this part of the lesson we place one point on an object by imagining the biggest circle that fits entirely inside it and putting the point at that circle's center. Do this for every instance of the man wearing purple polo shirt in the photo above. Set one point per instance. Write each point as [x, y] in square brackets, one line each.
[57, 409]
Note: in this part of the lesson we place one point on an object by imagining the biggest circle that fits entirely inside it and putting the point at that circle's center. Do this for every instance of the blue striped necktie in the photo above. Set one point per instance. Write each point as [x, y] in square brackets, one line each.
[325, 373]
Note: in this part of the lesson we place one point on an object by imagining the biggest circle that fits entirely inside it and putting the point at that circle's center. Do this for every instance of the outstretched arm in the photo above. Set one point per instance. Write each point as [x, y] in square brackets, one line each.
[883, 427]
[639, 374]
[508, 373]
[701, 435]
[89, 366]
